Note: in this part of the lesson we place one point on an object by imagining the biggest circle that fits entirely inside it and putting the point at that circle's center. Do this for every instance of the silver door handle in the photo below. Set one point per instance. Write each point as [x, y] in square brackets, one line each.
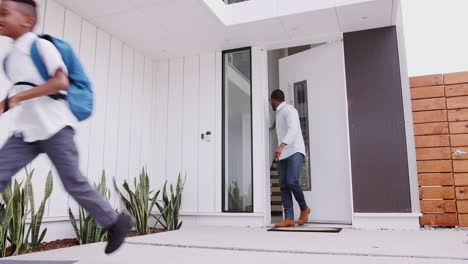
[458, 153]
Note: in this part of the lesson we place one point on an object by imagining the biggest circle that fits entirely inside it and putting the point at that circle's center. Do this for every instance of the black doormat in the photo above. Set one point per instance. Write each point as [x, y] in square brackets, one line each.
[306, 229]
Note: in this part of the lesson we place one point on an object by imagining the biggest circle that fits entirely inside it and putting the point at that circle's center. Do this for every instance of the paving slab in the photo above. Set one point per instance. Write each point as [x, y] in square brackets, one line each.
[141, 254]
[424, 243]
[251, 245]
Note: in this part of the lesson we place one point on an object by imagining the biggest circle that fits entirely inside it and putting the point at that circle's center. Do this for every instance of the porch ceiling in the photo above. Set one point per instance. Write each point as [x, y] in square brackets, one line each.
[165, 28]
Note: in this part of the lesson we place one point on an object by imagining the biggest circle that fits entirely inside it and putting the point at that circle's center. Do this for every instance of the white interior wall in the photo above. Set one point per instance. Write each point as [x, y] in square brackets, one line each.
[148, 113]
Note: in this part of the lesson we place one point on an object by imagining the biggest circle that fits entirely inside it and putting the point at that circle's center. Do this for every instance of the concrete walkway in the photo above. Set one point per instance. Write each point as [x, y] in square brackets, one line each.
[252, 245]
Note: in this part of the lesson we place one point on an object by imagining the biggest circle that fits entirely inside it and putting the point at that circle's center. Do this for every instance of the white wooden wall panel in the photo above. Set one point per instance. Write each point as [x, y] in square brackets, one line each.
[136, 108]
[98, 119]
[191, 136]
[41, 4]
[151, 141]
[206, 175]
[160, 128]
[174, 122]
[72, 30]
[54, 19]
[148, 118]
[124, 115]
[112, 113]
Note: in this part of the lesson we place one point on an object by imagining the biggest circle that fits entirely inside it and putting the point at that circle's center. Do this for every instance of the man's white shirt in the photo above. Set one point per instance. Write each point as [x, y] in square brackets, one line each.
[288, 130]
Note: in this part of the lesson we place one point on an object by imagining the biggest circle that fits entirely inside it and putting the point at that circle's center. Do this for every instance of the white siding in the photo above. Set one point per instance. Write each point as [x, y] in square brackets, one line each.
[160, 127]
[175, 115]
[206, 174]
[124, 116]
[148, 118]
[136, 124]
[98, 122]
[113, 108]
[191, 137]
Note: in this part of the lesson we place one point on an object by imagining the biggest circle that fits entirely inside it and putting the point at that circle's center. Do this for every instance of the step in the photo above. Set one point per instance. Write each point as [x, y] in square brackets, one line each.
[276, 203]
[274, 181]
[276, 208]
[275, 185]
[273, 173]
[276, 194]
[275, 189]
[277, 213]
[276, 199]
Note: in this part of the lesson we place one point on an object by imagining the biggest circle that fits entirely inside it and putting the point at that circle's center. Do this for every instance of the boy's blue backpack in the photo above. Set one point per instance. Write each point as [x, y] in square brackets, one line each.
[79, 94]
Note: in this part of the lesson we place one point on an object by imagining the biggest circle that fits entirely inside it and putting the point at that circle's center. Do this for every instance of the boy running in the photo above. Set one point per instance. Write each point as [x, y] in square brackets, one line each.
[45, 124]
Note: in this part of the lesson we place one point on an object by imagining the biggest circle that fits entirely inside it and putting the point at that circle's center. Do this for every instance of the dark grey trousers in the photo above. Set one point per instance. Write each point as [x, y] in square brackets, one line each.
[62, 151]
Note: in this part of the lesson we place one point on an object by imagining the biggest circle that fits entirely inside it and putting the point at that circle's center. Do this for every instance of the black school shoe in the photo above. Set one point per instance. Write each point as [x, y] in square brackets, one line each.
[118, 232]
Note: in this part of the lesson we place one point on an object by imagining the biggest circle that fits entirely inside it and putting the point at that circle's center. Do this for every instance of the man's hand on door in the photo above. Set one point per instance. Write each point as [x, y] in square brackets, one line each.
[279, 150]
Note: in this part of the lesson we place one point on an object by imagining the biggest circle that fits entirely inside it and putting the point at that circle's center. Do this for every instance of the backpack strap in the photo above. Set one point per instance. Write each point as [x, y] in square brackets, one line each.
[37, 59]
[42, 68]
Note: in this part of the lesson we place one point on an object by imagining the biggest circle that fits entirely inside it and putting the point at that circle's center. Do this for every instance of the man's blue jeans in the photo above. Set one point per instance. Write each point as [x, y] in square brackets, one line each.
[289, 172]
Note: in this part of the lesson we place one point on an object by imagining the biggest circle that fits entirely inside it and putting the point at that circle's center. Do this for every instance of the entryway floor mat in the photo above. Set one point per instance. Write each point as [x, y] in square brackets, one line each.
[306, 229]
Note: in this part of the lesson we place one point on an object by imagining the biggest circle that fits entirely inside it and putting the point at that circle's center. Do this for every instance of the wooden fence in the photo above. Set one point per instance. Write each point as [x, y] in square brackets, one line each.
[440, 113]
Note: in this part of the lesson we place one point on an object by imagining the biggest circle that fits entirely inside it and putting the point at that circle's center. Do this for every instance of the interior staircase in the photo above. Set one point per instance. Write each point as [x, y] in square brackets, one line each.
[276, 203]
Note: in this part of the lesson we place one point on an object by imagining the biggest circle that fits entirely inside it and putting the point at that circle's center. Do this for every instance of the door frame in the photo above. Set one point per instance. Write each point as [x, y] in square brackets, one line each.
[223, 132]
[263, 49]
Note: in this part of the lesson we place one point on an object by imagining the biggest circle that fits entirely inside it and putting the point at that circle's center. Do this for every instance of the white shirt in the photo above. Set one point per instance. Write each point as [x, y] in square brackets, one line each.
[42, 117]
[288, 130]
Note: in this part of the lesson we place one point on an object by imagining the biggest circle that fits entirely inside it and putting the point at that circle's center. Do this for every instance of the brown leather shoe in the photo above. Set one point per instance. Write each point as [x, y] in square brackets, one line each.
[304, 217]
[286, 223]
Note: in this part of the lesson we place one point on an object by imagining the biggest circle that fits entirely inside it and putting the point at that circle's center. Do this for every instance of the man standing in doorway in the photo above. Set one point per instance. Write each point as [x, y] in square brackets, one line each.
[290, 156]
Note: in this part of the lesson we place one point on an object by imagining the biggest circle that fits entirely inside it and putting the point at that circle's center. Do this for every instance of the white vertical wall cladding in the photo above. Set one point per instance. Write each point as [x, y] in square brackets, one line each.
[160, 126]
[54, 19]
[148, 118]
[136, 116]
[191, 137]
[41, 4]
[207, 150]
[72, 30]
[175, 117]
[98, 120]
[111, 138]
[124, 129]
